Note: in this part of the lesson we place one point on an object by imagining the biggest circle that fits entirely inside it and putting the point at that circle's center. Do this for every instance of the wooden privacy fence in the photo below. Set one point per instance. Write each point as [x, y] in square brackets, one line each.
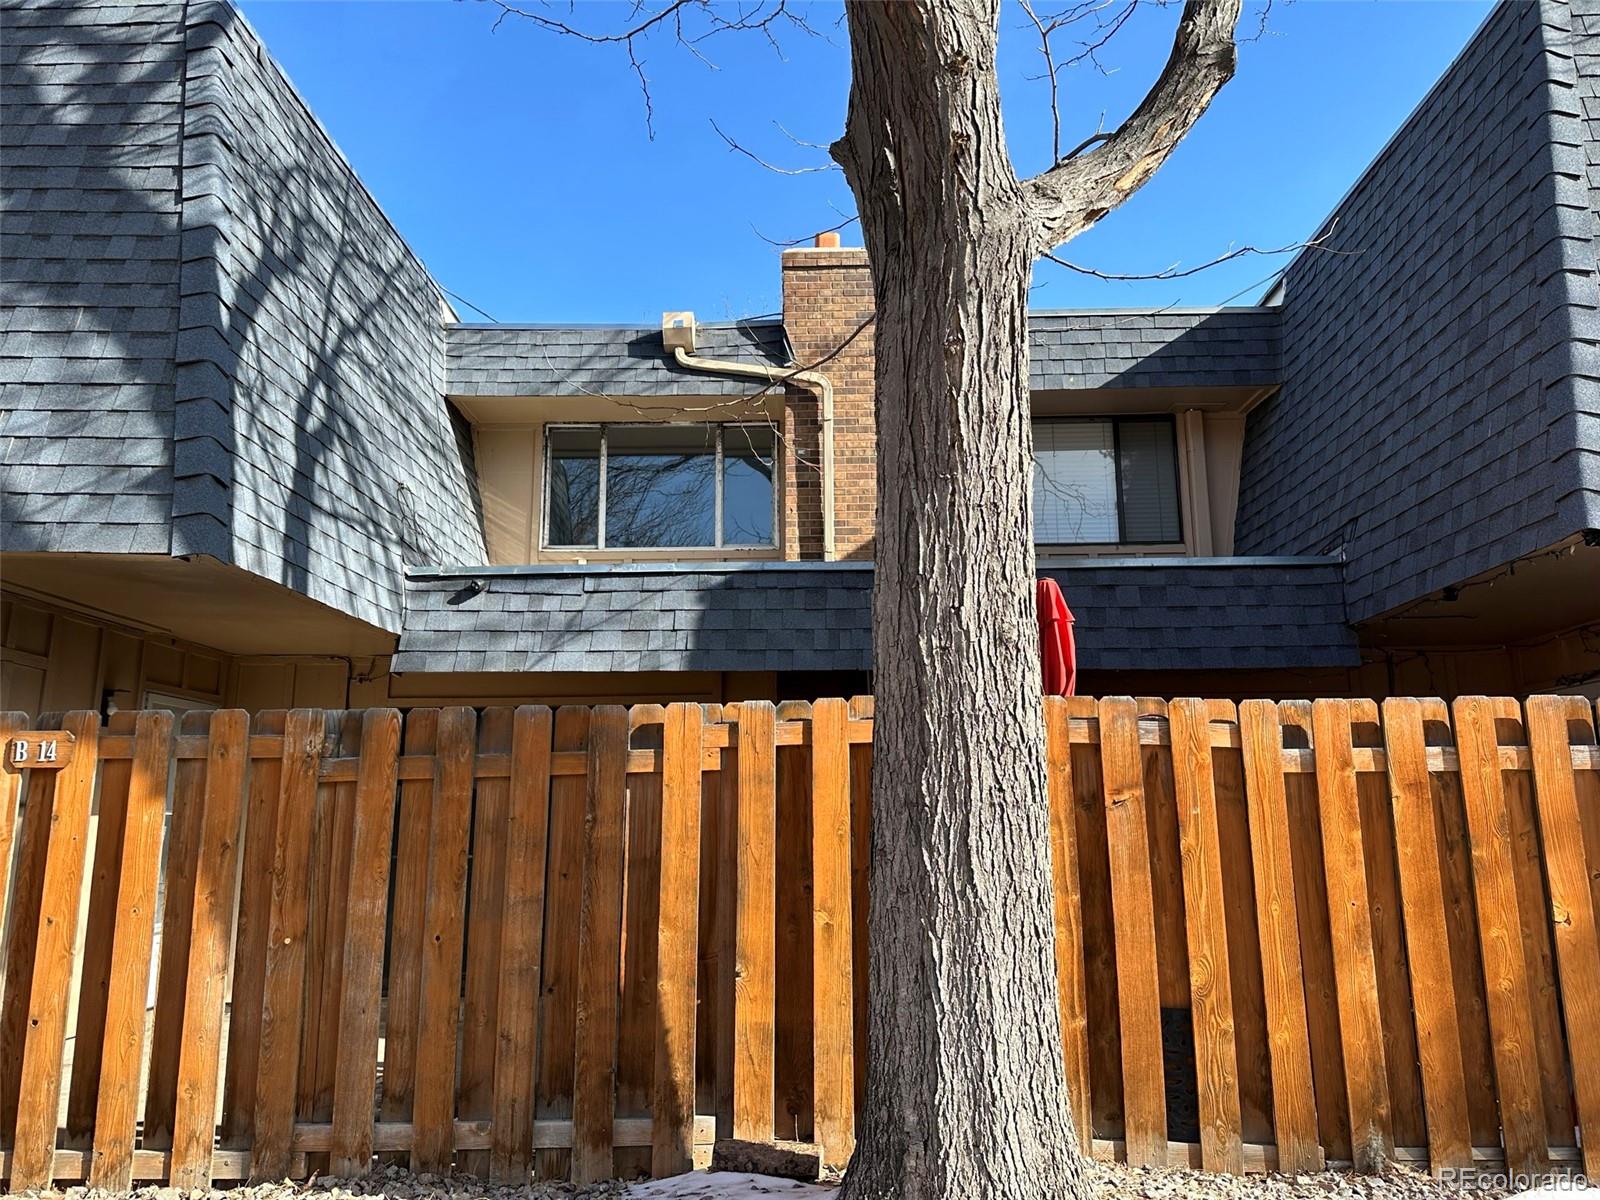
[586, 942]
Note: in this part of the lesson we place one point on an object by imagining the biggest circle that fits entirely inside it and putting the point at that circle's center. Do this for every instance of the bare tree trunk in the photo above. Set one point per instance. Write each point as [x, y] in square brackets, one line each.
[965, 1090]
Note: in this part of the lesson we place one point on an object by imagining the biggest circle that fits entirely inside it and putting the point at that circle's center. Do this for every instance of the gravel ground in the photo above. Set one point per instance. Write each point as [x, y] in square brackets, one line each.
[1398, 1183]
[1110, 1183]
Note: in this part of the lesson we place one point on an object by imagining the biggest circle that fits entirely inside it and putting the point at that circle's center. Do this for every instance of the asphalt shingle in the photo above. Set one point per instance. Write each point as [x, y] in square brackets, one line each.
[1161, 614]
[1435, 337]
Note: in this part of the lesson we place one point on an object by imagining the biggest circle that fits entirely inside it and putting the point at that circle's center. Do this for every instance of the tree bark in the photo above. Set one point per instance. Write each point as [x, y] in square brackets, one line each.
[966, 1094]
[965, 1090]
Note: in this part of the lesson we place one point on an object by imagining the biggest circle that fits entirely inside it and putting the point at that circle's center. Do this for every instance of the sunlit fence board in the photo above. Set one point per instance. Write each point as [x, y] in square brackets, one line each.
[560, 943]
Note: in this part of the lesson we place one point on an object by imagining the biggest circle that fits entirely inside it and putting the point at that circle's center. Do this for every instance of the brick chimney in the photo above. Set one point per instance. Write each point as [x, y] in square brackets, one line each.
[827, 294]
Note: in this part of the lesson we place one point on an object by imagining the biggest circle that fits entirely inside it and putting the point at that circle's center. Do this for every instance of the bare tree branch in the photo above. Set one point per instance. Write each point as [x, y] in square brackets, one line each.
[787, 243]
[1077, 191]
[1044, 32]
[759, 161]
[1177, 272]
[760, 16]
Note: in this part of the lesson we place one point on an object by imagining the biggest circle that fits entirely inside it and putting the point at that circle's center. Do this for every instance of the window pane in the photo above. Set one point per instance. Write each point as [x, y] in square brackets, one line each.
[660, 486]
[573, 499]
[1074, 482]
[748, 463]
[1149, 482]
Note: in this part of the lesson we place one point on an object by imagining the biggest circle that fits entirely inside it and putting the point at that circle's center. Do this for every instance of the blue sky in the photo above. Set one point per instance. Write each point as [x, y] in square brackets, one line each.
[518, 164]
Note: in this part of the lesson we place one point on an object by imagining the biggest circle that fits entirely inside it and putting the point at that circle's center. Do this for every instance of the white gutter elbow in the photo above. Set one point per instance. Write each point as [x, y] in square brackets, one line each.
[812, 379]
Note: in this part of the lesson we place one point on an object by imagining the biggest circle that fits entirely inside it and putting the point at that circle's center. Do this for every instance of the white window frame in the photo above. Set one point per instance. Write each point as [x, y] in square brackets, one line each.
[719, 427]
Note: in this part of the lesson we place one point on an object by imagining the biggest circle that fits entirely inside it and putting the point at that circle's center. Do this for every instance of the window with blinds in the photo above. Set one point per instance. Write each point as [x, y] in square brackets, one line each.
[1105, 480]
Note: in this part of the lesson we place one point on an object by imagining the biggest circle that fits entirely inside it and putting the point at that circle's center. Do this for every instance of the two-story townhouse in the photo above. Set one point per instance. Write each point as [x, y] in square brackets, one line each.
[252, 458]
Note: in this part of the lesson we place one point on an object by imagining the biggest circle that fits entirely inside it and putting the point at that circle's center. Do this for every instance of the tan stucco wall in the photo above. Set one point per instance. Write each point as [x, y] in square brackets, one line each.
[54, 659]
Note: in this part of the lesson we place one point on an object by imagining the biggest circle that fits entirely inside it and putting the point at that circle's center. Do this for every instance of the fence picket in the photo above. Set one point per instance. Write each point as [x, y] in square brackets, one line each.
[433, 1104]
[558, 1004]
[527, 828]
[284, 971]
[755, 923]
[11, 723]
[26, 894]
[94, 982]
[1166, 861]
[1294, 1113]
[194, 1120]
[1539, 954]
[1504, 966]
[116, 1112]
[834, 1089]
[1215, 1048]
[726, 932]
[407, 923]
[177, 916]
[794, 1032]
[250, 952]
[367, 898]
[1350, 927]
[672, 1133]
[485, 911]
[860, 864]
[1402, 929]
[1133, 920]
[34, 1142]
[599, 948]
[336, 810]
[1245, 969]
[1427, 937]
[1572, 900]
[638, 1027]
[1068, 918]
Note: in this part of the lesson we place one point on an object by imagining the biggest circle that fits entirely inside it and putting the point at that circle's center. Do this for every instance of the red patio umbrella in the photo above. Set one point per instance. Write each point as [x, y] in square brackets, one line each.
[1057, 653]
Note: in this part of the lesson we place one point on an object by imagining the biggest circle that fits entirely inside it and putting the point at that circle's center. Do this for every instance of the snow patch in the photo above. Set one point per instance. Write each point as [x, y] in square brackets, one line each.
[728, 1185]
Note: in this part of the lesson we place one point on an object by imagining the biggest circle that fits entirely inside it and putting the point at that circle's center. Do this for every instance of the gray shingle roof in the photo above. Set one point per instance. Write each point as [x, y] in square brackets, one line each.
[1236, 347]
[90, 114]
[1577, 462]
[1158, 348]
[1440, 367]
[212, 341]
[313, 443]
[1158, 614]
[580, 360]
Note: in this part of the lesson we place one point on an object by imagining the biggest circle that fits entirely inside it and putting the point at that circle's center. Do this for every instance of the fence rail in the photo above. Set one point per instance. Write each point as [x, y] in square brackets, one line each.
[586, 942]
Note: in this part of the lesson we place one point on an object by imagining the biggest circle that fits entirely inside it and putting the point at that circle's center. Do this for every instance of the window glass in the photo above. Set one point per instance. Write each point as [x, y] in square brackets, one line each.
[1149, 481]
[660, 485]
[1105, 480]
[573, 504]
[748, 463]
[1074, 482]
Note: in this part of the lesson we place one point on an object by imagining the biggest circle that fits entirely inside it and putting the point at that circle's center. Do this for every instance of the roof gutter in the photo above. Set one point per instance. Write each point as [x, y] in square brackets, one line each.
[812, 379]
